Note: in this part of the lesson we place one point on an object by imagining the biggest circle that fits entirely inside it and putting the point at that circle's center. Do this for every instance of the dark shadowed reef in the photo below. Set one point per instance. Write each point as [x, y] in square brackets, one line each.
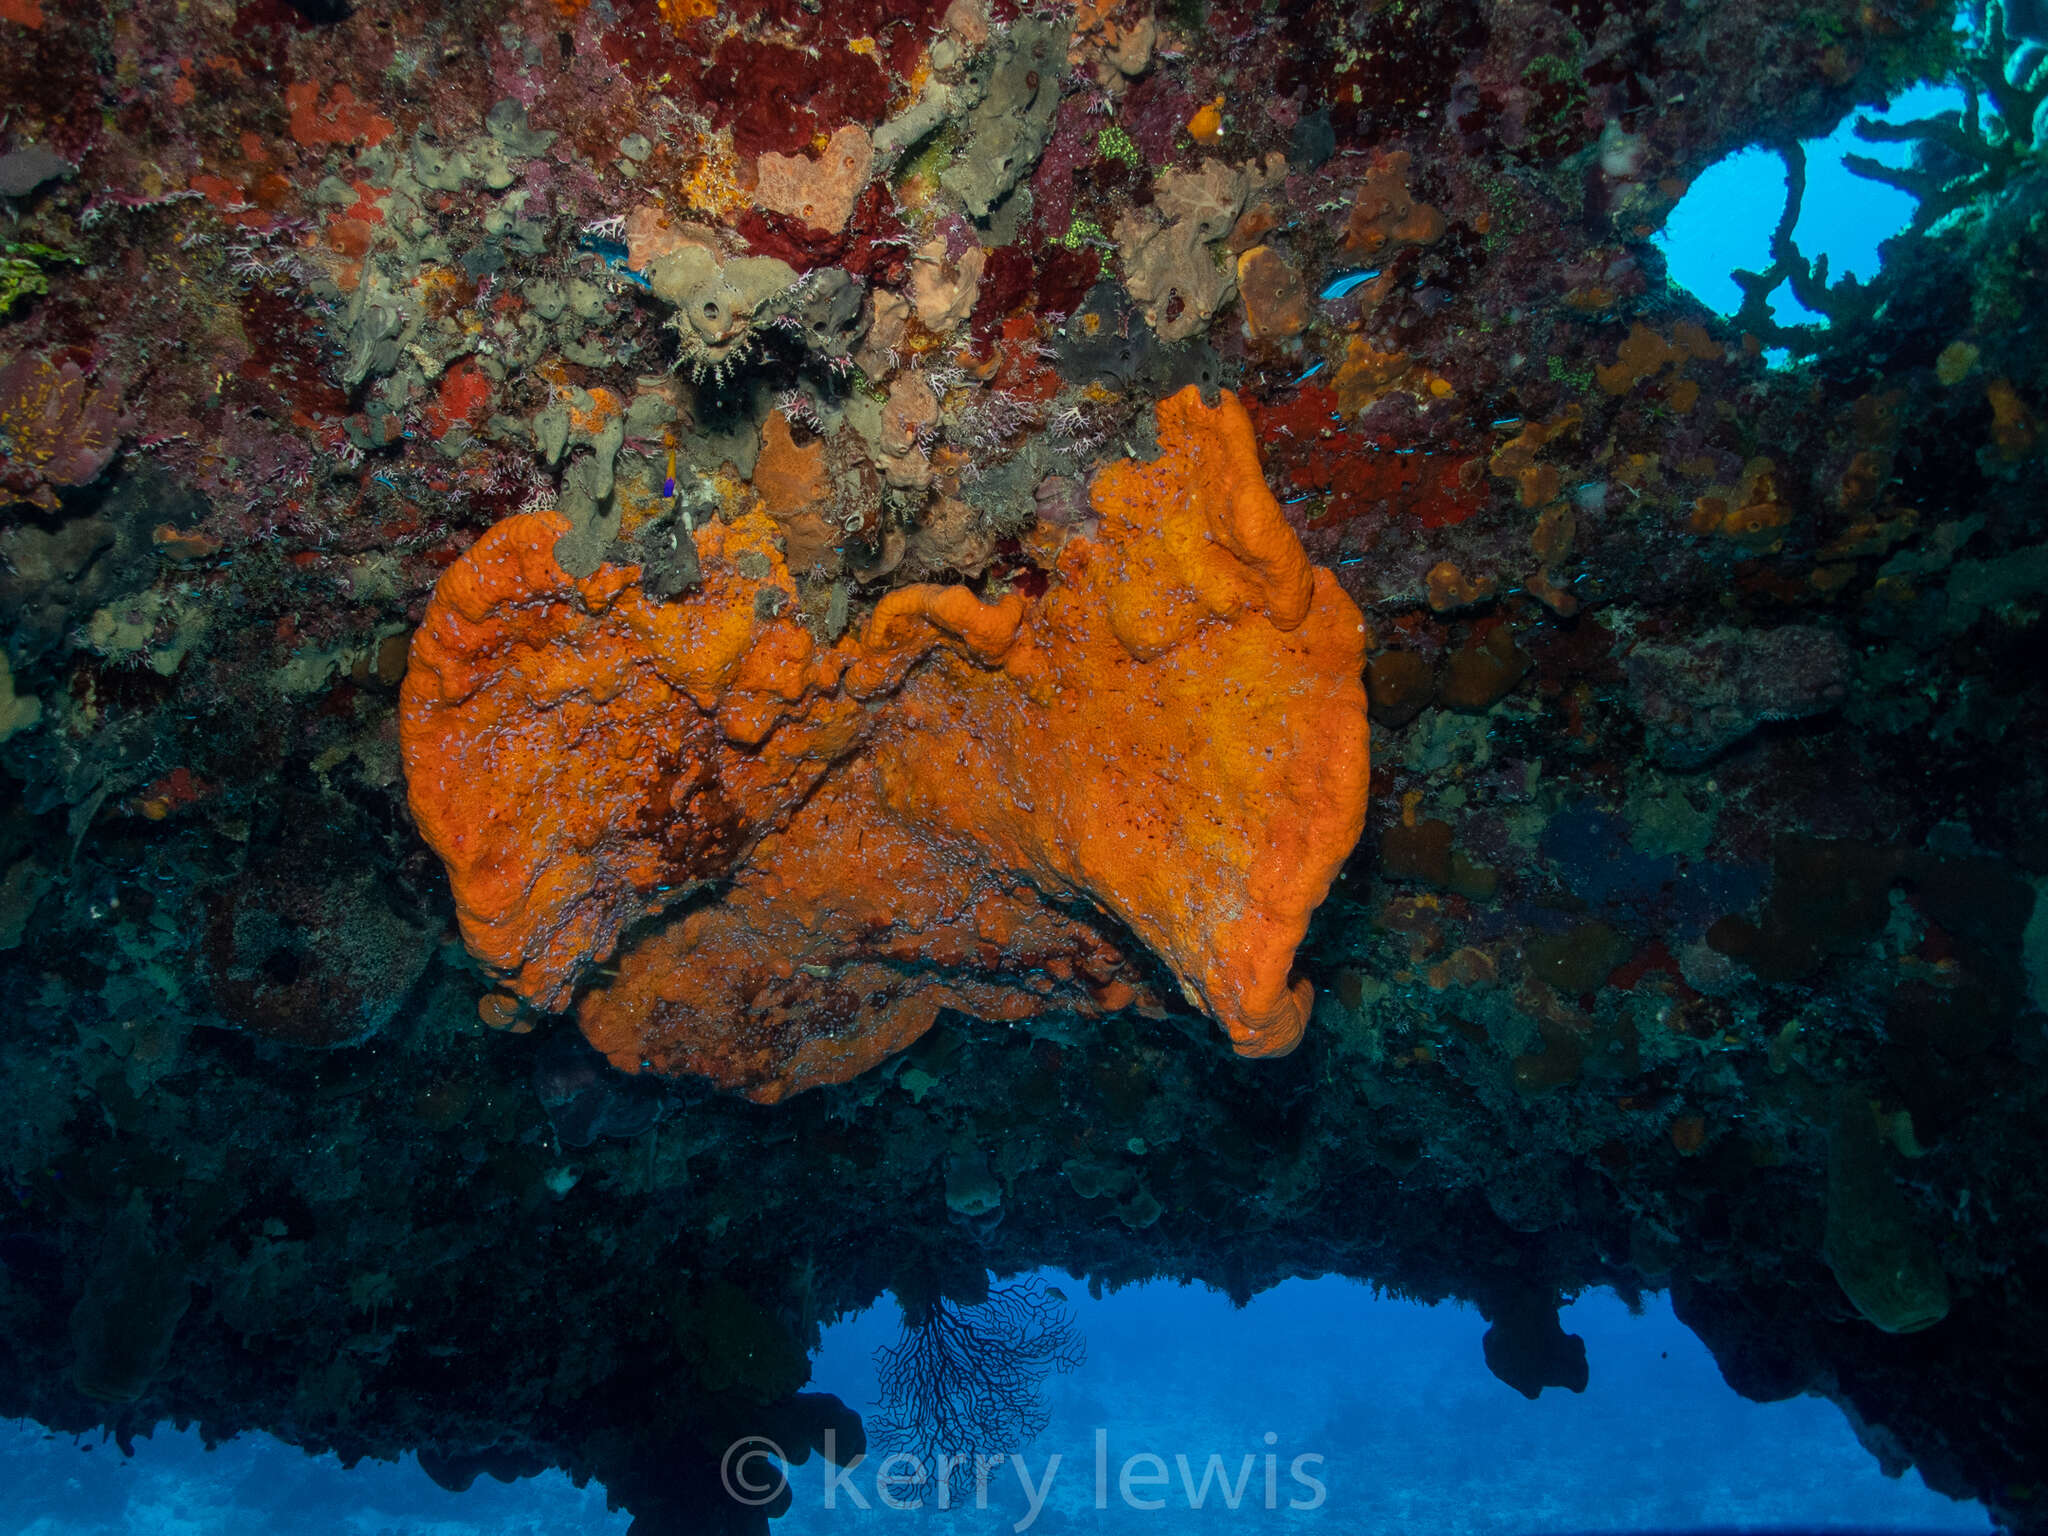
[1692, 941]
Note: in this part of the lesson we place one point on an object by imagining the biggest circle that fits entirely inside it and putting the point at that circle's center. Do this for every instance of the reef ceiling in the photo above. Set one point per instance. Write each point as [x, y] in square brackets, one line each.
[1693, 940]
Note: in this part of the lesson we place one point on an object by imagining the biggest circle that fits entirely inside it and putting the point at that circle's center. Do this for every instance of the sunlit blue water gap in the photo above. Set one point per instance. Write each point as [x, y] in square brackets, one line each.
[1726, 218]
[1319, 1406]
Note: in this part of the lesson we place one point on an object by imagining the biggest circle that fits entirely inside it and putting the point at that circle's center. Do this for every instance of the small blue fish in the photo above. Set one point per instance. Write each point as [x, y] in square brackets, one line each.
[613, 254]
[1339, 286]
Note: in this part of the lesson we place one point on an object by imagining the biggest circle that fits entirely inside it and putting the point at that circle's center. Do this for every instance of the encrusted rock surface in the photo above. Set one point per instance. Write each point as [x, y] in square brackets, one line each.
[1694, 936]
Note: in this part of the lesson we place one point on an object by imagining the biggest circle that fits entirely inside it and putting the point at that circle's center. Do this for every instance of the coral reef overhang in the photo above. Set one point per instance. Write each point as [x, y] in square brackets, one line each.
[1695, 938]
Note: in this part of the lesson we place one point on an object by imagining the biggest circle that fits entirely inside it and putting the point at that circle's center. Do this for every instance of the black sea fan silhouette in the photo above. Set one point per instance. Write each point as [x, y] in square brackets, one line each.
[963, 1388]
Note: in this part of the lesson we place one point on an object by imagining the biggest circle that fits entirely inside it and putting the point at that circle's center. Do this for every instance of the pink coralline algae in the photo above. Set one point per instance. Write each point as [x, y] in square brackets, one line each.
[58, 428]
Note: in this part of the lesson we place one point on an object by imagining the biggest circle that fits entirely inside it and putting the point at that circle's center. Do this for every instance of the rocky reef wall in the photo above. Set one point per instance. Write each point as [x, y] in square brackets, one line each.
[1690, 939]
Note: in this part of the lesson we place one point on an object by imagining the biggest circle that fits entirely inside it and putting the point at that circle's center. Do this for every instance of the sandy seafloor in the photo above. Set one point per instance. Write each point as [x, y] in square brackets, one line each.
[1414, 1433]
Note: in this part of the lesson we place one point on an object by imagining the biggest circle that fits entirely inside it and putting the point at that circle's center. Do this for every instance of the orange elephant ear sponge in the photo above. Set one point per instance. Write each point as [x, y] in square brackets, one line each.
[924, 816]
[1177, 733]
[580, 756]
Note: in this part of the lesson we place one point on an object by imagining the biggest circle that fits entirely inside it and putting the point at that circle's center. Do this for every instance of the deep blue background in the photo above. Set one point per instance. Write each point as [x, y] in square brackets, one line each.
[1415, 1433]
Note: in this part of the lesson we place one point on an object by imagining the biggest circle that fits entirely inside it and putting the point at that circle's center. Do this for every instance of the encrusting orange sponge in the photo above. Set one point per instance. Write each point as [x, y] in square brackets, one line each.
[847, 839]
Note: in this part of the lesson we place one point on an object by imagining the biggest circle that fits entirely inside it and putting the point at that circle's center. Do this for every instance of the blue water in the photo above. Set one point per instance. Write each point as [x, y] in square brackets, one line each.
[1388, 1404]
[1725, 219]
[51, 1485]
